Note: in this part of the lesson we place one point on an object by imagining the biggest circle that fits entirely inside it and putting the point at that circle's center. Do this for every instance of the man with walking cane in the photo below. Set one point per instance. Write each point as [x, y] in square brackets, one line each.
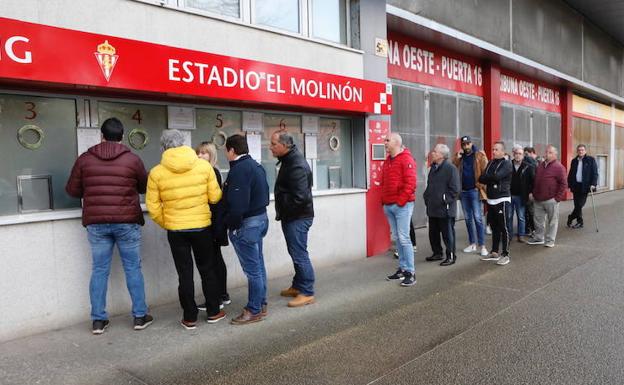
[582, 179]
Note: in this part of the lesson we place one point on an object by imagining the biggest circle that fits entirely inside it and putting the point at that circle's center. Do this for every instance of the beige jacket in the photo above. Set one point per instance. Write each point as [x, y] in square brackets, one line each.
[479, 166]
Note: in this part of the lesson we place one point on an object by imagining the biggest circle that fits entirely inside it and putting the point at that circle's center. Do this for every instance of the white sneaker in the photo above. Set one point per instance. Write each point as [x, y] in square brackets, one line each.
[470, 249]
[503, 260]
[484, 251]
[488, 230]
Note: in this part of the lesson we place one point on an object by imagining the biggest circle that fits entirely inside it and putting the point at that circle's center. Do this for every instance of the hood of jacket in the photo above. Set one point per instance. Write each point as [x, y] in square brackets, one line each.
[108, 150]
[179, 159]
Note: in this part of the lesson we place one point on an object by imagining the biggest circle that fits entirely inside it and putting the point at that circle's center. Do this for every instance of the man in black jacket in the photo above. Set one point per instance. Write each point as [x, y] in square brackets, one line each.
[246, 195]
[582, 178]
[497, 178]
[440, 197]
[522, 175]
[293, 206]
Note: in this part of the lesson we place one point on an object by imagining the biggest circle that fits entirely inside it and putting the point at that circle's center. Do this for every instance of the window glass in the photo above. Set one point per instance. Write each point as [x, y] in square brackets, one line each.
[470, 120]
[333, 168]
[443, 119]
[522, 130]
[329, 20]
[554, 131]
[221, 7]
[37, 138]
[408, 119]
[507, 124]
[273, 123]
[282, 14]
[215, 126]
[143, 125]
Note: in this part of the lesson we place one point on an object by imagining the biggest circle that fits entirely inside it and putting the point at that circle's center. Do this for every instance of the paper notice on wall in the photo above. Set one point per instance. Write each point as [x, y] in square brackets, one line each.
[252, 121]
[310, 146]
[181, 117]
[254, 142]
[87, 137]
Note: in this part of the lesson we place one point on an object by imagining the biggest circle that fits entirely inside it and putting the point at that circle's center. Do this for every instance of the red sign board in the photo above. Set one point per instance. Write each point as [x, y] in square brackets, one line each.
[518, 89]
[34, 52]
[418, 62]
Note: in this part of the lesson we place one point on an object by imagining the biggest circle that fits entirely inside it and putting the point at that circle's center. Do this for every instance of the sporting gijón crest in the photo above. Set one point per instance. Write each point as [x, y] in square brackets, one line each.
[107, 58]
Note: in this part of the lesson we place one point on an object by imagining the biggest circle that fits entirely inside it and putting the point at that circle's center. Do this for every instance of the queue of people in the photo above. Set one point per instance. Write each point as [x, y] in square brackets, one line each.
[185, 195]
[201, 213]
[519, 186]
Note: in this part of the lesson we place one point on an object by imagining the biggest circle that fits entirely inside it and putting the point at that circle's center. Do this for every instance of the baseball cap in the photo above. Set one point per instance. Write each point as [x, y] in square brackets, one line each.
[466, 139]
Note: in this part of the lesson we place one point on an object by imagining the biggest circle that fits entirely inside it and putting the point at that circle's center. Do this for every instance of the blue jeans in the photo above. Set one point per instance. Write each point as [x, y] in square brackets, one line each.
[518, 207]
[399, 219]
[102, 238]
[471, 205]
[296, 234]
[247, 242]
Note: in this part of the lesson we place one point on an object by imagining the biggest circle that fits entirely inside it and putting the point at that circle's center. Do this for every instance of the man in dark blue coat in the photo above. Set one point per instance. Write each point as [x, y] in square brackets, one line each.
[440, 197]
[294, 208]
[582, 178]
[246, 195]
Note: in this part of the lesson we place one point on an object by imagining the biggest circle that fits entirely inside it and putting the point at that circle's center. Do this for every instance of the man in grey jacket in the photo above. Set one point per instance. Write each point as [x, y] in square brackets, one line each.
[440, 197]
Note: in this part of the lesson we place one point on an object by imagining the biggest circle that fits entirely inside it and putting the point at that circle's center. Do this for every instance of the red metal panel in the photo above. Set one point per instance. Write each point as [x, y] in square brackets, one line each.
[377, 228]
[419, 62]
[491, 107]
[521, 90]
[37, 53]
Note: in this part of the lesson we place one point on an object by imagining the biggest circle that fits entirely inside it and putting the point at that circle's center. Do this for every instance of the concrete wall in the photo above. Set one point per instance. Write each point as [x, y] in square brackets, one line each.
[548, 32]
[140, 21]
[44, 280]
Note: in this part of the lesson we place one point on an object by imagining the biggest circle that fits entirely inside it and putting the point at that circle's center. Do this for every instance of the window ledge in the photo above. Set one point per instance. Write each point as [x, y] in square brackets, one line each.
[77, 213]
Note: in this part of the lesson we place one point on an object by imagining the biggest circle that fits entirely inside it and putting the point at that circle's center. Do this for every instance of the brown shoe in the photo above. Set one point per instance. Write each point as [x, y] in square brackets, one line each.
[301, 300]
[265, 310]
[246, 317]
[290, 292]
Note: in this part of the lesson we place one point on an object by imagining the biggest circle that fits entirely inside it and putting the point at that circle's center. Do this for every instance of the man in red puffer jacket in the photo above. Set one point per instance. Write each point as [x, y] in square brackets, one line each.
[398, 187]
[109, 178]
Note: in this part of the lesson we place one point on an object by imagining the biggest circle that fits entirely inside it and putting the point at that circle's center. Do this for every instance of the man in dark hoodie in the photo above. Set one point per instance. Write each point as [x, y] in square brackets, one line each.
[497, 178]
[522, 176]
[294, 208]
[109, 178]
[441, 200]
[246, 195]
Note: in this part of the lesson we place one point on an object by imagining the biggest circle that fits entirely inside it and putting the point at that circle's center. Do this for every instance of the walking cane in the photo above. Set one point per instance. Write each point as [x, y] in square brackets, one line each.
[591, 192]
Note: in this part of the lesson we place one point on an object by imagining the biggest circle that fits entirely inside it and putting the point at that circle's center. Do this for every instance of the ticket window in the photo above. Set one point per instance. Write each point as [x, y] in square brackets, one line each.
[215, 126]
[38, 147]
[143, 126]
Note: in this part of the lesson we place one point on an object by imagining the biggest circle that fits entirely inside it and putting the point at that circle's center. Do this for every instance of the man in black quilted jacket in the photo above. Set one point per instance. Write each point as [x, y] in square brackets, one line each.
[294, 208]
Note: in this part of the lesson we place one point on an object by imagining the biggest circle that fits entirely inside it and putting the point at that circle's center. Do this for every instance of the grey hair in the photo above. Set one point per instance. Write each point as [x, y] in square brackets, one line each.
[171, 139]
[397, 137]
[286, 139]
[443, 149]
[554, 148]
[517, 147]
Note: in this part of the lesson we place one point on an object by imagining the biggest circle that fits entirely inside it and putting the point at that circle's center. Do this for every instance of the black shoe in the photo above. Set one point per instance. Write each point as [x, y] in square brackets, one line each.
[395, 254]
[577, 226]
[141, 323]
[450, 259]
[225, 299]
[398, 276]
[434, 257]
[569, 222]
[409, 280]
[99, 326]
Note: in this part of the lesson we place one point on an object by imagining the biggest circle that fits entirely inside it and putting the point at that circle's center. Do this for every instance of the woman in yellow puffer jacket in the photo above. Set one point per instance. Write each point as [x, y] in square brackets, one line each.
[179, 190]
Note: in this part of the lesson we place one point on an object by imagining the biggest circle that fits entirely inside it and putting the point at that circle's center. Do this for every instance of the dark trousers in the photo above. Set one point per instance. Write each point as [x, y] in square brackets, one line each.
[579, 201]
[446, 227]
[221, 269]
[529, 216]
[202, 246]
[497, 218]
